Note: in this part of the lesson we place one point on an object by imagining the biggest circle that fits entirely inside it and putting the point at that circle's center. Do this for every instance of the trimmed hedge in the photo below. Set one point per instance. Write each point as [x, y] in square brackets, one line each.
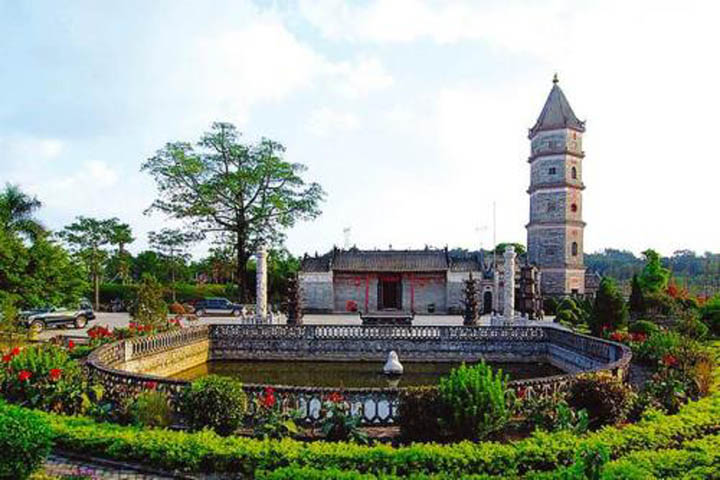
[208, 452]
[25, 440]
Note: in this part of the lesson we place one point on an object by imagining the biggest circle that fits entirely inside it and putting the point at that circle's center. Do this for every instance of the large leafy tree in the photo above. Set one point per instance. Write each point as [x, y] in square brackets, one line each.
[36, 272]
[89, 238]
[17, 210]
[247, 191]
[173, 243]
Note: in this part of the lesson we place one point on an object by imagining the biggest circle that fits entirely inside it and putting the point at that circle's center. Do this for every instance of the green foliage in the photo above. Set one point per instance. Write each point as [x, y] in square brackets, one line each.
[45, 377]
[692, 327]
[25, 441]
[654, 277]
[478, 400]
[550, 305]
[572, 312]
[552, 413]
[610, 311]
[207, 452]
[149, 307]
[151, 409]
[270, 420]
[656, 346]
[338, 423]
[214, 402]
[606, 399]
[643, 327]
[501, 247]
[710, 314]
[9, 321]
[637, 300]
[419, 413]
[249, 192]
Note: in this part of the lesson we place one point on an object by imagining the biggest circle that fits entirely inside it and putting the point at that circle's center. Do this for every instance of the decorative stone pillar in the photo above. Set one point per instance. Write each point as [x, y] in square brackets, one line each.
[509, 283]
[496, 291]
[261, 285]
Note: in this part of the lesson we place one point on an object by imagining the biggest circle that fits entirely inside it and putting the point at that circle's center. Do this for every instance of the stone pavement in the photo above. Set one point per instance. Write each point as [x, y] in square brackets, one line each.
[59, 465]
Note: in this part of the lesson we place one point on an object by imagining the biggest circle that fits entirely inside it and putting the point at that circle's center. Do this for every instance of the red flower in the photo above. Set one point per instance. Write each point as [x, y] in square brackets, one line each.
[151, 385]
[638, 337]
[55, 374]
[15, 351]
[7, 358]
[71, 345]
[521, 392]
[618, 337]
[268, 400]
[24, 375]
[669, 360]
[334, 397]
[133, 325]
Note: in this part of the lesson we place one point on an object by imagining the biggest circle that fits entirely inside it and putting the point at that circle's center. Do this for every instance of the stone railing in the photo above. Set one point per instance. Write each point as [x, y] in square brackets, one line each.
[572, 352]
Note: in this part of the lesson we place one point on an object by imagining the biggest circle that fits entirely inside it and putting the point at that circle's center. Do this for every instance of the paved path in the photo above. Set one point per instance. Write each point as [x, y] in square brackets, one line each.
[60, 465]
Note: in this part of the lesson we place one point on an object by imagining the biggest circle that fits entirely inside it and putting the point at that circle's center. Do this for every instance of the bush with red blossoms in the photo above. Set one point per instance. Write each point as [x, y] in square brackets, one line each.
[339, 422]
[270, 419]
[43, 377]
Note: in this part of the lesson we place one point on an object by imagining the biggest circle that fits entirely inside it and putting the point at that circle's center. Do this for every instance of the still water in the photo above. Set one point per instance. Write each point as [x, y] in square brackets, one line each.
[348, 374]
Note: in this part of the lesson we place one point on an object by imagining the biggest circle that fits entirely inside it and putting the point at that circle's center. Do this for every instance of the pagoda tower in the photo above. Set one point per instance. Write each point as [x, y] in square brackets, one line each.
[556, 228]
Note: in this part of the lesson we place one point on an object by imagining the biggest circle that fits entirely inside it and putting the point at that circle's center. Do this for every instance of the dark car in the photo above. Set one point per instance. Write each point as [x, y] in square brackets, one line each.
[55, 317]
[217, 306]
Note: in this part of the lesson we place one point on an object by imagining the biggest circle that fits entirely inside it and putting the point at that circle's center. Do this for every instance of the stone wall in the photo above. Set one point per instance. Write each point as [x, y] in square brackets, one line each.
[430, 288]
[317, 291]
[167, 363]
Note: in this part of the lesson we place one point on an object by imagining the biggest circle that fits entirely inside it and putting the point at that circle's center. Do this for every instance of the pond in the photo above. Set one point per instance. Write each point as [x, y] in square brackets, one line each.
[348, 374]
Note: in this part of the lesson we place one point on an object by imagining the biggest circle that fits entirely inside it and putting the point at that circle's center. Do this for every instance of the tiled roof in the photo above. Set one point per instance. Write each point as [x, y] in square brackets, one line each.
[557, 113]
[390, 260]
[316, 263]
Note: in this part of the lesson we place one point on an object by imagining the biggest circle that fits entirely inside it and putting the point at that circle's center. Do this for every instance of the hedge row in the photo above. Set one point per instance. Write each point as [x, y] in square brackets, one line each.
[184, 292]
[208, 452]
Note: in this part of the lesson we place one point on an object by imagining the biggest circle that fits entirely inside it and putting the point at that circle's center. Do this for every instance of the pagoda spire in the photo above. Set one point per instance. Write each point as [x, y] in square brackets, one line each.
[557, 113]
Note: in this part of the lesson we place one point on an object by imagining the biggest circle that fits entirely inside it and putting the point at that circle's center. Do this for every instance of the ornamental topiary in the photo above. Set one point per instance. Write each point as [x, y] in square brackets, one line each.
[478, 401]
[215, 402]
[606, 399]
[25, 441]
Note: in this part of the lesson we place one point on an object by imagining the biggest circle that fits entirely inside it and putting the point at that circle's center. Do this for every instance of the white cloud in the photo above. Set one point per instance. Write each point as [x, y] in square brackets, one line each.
[325, 121]
[31, 148]
[361, 77]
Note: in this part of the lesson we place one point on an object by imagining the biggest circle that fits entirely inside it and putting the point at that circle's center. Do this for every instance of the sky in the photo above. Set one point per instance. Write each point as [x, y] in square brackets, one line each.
[412, 114]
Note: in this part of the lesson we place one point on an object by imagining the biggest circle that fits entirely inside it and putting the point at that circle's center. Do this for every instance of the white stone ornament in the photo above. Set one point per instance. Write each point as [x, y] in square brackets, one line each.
[393, 365]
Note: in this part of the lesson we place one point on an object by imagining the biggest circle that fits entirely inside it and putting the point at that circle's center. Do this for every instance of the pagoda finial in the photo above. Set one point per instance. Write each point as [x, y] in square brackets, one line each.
[555, 79]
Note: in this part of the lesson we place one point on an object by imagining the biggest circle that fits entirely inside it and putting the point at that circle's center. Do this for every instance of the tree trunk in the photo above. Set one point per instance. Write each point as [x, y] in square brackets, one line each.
[96, 281]
[241, 271]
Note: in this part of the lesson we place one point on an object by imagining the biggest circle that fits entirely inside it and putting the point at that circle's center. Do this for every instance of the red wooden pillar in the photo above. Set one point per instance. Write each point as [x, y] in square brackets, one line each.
[367, 292]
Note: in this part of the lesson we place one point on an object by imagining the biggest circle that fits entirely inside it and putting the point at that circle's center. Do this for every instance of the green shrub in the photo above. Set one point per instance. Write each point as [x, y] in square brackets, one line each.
[25, 441]
[149, 308]
[270, 419]
[644, 327]
[242, 457]
[420, 409]
[550, 305]
[45, 377]
[552, 413]
[215, 402]
[151, 409]
[610, 312]
[477, 399]
[656, 346]
[693, 328]
[338, 423]
[606, 399]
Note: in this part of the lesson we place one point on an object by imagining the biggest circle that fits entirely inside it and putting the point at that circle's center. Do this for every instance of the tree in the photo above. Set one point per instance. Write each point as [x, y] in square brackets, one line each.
[292, 306]
[247, 191]
[470, 302]
[173, 243]
[121, 235]
[637, 300]
[149, 308]
[610, 310]
[500, 248]
[17, 210]
[654, 277]
[87, 237]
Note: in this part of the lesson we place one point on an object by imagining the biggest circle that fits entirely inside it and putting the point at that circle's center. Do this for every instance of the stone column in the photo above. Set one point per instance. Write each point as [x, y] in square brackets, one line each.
[261, 285]
[509, 284]
[496, 291]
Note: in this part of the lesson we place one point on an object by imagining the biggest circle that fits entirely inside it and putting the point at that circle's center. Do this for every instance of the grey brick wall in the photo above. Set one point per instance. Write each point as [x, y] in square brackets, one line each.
[317, 291]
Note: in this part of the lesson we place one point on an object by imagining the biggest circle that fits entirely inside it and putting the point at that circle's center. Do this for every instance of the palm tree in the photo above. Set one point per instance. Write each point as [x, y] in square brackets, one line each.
[16, 212]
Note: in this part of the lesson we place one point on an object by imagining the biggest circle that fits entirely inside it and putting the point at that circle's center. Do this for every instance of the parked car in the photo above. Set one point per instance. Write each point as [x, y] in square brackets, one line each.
[55, 317]
[217, 306]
